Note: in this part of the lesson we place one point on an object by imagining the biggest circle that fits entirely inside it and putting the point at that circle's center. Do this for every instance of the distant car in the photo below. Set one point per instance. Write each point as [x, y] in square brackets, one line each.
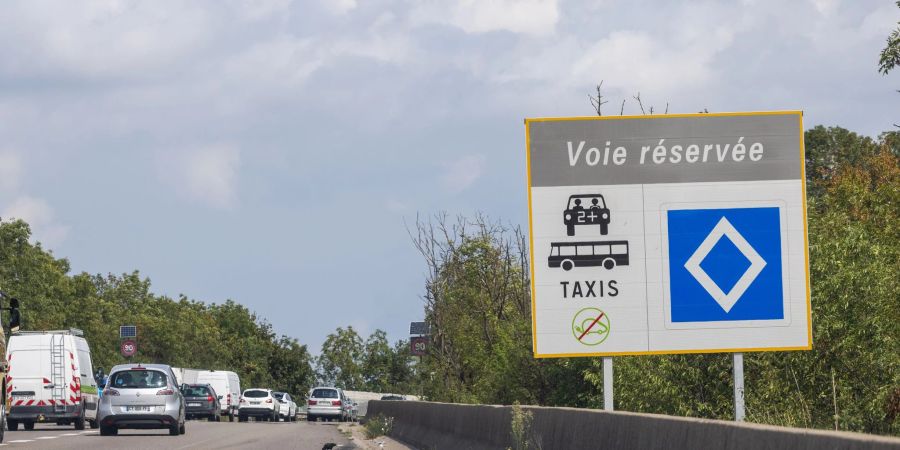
[141, 396]
[326, 403]
[201, 400]
[595, 213]
[288, 411]
[393, 397]
[259, 403]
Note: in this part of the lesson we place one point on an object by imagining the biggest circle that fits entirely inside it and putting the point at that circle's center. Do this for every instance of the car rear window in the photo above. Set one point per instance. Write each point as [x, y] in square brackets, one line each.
[196, 391]
[324, 393]
[256, 394]
[137, 379]
[278, 395]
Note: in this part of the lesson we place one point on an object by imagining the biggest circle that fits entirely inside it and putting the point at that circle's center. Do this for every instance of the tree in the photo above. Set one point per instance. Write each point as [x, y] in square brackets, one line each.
[180, 332]
[890, 55]
[340, 361]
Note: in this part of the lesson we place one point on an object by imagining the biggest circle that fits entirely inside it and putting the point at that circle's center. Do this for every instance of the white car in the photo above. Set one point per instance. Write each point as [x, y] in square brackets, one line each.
[259, 403]
[327, 403]
[288, 411]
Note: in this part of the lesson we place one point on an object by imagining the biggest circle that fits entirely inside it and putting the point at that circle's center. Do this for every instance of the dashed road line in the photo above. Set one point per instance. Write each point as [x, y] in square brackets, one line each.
[47, 437]
[21, 441]
[69, 434]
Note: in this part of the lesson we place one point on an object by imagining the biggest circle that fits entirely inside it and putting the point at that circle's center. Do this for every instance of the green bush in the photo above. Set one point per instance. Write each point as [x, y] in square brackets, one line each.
[380, 425]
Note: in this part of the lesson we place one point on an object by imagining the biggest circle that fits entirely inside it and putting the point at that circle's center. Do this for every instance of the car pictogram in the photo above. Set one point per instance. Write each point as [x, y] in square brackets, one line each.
[595, 213]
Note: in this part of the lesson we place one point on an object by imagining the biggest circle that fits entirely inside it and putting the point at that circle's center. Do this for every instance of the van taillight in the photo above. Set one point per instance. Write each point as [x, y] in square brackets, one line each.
[165, 392]
[209, 398]
[269, 401]
[335, 403]
[311, 402]
[46, 381]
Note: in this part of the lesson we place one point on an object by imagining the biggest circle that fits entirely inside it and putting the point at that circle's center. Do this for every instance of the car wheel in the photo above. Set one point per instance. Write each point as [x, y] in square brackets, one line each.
[12, 424]
[242, 418]
[93, 424]
[310, 418]
[108, 431]
[29, 426]
[2, 419]
[182, 429]
[174, 430]
[79, 422]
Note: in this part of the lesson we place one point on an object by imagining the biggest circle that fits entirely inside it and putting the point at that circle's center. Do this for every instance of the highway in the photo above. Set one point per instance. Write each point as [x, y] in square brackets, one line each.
[199, 435]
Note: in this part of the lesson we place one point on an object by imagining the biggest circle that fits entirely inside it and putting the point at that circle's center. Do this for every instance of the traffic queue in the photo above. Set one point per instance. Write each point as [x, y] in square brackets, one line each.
[51, 379]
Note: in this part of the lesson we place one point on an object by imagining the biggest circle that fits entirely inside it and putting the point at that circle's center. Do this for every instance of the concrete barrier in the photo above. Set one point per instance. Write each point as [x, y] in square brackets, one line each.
[440, 426]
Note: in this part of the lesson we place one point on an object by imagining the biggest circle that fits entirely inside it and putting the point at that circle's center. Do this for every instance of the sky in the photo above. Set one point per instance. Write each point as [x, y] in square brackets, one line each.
[274, 152]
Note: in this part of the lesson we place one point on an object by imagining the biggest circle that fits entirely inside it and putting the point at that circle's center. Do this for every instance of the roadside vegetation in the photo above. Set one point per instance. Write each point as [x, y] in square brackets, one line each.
[182, 332]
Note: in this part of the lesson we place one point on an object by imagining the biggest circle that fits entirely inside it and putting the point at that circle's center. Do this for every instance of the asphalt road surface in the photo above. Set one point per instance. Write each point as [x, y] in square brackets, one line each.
[200, 435]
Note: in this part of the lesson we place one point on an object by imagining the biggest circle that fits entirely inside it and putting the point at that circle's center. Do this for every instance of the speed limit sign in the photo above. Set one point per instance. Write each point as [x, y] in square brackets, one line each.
[128, 348]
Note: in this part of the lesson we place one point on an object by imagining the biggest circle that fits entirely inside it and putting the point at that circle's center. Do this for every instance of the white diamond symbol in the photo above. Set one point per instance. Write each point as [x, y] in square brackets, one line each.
[724, 228]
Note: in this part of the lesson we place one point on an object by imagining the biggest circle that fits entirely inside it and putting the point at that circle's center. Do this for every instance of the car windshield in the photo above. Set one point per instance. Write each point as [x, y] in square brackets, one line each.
[255, 394]
[324, 393]
[137, 379]
[196, 391]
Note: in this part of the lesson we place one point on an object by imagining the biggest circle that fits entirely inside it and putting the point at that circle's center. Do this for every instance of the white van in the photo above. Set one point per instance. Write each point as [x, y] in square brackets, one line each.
[227, 386]
[50, 379]
[186, 376]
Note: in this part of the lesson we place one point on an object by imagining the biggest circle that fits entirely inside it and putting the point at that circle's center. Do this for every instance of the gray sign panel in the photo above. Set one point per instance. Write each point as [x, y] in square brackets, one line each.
[664, 149]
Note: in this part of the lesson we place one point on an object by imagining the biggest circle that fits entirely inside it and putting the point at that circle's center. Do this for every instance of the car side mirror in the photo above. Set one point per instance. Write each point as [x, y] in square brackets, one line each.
[355, 404]
[221, 397]
[15, 318]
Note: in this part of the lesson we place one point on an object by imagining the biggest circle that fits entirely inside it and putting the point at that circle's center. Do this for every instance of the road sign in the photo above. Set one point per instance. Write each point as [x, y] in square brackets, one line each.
[127, 331]
[418, 328]
[128, 348]
[668, 234]
[418, 345]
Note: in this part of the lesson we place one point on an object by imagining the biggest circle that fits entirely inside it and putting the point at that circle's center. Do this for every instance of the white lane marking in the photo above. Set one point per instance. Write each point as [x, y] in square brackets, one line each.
[69, 434]
[21, 441]
[89, 432]
[47, 437]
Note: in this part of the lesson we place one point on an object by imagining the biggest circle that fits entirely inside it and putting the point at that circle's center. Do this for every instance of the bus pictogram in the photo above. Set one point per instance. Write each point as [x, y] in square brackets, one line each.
[569, 255]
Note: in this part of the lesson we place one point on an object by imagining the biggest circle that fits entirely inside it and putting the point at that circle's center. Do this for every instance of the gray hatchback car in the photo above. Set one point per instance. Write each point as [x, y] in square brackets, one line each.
[142, 396]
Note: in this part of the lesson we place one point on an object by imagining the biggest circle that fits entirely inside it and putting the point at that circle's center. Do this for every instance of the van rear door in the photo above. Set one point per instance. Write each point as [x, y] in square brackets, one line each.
[29, 371]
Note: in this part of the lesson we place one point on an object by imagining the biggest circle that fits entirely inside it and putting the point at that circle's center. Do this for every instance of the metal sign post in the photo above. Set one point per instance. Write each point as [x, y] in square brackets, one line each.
[738, 359]
[607, 383]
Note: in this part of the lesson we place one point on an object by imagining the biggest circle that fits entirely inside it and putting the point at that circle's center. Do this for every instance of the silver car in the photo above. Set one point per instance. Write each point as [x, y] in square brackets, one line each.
[142, 396]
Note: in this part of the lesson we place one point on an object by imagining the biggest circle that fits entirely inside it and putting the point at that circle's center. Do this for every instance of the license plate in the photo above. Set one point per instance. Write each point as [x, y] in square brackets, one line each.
[194, 404]
[137, 408]
[23, 397]
[325, 402]
[254, 403]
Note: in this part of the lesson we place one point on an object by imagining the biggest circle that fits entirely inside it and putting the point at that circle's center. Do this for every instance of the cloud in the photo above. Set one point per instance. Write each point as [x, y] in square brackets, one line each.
[340, 6]
[206, 174]
[10, 171]
[460, 174]
[537, 17]
[40, 217]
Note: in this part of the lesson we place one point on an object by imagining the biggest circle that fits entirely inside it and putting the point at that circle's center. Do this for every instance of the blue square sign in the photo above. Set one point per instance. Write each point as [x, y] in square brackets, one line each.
[725, 264]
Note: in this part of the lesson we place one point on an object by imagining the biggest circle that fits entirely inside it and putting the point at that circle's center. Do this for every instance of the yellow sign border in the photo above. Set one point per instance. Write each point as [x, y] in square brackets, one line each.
[799, 115]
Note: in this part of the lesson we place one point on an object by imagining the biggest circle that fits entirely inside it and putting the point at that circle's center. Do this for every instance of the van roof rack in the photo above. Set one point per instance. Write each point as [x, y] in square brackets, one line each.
[72, 331]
